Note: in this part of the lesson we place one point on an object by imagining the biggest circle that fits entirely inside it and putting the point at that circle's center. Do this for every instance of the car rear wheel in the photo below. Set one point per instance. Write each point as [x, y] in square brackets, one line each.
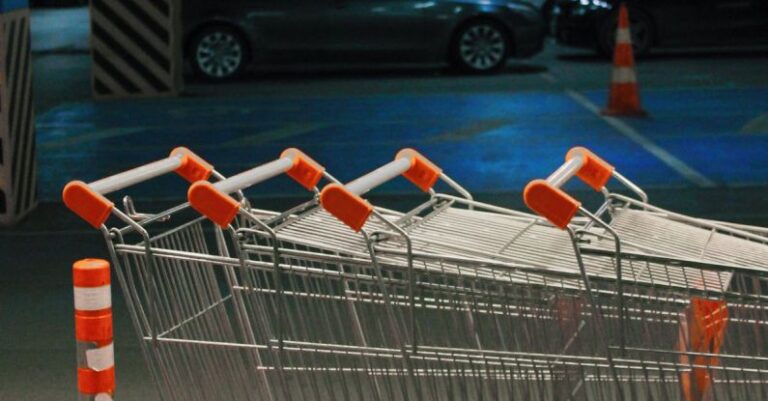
[481, 47]
[640, 28]
[218, 53]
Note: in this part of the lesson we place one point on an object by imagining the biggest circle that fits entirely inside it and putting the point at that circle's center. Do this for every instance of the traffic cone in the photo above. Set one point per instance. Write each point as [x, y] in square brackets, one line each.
[624, 99]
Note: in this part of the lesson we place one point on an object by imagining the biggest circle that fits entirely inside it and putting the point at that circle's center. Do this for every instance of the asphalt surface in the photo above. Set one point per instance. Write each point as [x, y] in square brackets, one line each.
[702, 151]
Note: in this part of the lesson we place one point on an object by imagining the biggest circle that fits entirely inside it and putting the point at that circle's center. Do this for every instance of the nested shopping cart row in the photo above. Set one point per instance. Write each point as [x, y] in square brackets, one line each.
[455, 299]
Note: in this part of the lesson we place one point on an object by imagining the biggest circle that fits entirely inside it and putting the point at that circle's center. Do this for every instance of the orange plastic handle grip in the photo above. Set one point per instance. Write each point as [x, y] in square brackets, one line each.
[351, 209]
[193, 167]
[422, 173]
[305, 171]
[217, 206]
[551, 203]
[91, 206]
[595, 171]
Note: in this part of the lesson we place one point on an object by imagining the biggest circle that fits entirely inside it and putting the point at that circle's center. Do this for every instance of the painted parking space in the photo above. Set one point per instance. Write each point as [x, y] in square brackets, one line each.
[717, 132]
[493, 142]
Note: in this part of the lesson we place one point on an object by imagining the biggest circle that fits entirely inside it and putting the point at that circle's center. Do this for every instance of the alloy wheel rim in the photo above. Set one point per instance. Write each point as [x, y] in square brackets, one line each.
[219, 54]
[482, 47]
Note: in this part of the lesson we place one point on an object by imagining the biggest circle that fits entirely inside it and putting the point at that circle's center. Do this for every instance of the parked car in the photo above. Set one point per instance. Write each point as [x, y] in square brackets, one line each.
[223, 38]
[662, 23]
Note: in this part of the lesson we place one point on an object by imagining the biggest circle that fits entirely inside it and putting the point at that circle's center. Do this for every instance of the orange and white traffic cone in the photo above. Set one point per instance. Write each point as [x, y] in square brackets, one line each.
[624, 99]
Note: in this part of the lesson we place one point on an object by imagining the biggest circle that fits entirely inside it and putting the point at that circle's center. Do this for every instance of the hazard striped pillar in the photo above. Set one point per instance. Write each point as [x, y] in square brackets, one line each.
[93, 330]
[136, 47]
[18, 194]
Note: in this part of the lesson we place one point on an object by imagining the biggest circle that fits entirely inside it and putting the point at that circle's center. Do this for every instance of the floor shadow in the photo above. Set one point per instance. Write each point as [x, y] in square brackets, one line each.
[334, 73]
[669, 54]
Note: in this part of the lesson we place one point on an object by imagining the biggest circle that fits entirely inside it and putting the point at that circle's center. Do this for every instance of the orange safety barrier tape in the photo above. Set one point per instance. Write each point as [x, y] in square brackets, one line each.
[92, 382]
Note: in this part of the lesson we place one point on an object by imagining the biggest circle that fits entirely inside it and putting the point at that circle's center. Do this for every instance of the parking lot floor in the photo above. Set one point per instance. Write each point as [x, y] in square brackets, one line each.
[702, 150]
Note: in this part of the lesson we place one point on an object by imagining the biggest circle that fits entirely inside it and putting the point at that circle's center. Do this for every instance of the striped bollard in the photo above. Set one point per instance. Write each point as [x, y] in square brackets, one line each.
[93, 330]
[17, 129]
[136, 48]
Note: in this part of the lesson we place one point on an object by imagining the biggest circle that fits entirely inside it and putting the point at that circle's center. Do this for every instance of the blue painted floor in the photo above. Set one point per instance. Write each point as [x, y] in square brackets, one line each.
[492, 143]
[488, 142]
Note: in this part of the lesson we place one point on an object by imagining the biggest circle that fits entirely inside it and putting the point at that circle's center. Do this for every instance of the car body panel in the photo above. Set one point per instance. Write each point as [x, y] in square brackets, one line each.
[371, 29]
[317, 31]
[676, 23]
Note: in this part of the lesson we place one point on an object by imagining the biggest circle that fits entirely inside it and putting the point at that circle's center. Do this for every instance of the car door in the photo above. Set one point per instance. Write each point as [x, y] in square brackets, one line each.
[761, 14]
[288, 29]
[732, 21]
[387, 30]
[677, 22]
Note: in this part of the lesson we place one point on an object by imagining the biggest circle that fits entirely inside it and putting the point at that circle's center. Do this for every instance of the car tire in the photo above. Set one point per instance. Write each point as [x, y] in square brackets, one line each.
[218, 53]
[480, 47]
[640, 26]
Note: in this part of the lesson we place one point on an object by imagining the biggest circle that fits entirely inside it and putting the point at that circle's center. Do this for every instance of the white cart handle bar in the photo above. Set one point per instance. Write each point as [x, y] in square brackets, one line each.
[346, 203]
[546, 198]
[214, 202]
[88, 200]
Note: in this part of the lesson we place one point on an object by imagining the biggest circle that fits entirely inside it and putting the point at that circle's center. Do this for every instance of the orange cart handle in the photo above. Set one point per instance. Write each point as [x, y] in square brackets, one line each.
[549, 201]
[88, 200]
[213, 200]
[346, 203]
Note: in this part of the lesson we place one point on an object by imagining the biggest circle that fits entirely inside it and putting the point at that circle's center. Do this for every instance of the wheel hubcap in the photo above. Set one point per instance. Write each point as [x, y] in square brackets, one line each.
[219, 54]
[482, 47]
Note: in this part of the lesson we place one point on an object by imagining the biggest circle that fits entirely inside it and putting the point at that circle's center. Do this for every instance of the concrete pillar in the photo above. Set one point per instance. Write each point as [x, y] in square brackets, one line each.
[18, 189]
[136, 47]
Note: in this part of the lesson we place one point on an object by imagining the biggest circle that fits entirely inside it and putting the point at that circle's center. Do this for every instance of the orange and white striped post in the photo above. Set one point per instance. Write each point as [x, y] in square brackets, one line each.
[93, 330]
[624, 98]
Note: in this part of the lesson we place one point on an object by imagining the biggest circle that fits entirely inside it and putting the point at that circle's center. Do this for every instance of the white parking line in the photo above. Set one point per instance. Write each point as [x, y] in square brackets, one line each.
[667, 158]
[90, 137]
[548, 77]
[759, 125]
[282, 132]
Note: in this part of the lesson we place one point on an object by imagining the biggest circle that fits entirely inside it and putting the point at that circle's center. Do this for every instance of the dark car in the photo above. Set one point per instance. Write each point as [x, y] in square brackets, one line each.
[662, 23]
[224, 37]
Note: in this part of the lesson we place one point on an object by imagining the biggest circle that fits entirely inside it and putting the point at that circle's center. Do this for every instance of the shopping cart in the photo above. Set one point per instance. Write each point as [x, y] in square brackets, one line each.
[178, 279]
[648, 227]
[305, 308]
[346, 320]
[720, 312]
[448, 313]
